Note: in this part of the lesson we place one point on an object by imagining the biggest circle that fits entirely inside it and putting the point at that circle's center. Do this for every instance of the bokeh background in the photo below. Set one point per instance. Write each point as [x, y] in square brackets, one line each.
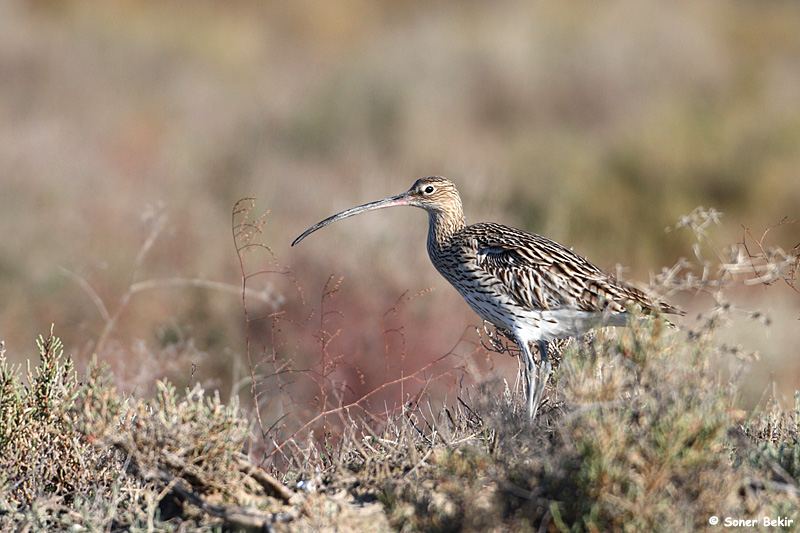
[596, 124]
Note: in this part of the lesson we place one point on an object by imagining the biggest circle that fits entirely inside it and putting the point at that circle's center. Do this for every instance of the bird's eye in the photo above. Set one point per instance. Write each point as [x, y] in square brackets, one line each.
[429, 189]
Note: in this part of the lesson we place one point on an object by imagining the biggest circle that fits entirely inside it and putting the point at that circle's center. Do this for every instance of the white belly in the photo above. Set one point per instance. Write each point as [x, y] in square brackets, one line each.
[534, 325]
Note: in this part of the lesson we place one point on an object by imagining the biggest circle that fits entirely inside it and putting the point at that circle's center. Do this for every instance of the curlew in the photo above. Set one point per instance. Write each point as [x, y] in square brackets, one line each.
[522, 282]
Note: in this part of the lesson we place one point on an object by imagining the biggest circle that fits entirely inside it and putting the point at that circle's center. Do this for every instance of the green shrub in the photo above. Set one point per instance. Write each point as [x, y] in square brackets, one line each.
[640, 432]
[79, 453]
[646, 438]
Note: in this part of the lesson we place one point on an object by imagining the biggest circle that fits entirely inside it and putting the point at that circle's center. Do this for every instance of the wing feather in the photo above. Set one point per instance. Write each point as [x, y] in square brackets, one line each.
[537, 272]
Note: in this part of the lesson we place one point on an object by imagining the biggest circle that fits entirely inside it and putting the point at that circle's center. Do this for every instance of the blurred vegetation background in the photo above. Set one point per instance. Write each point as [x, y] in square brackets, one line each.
[596, 124]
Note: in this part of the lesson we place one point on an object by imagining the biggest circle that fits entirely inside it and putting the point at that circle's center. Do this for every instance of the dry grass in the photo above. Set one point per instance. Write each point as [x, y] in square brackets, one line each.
[641, 431]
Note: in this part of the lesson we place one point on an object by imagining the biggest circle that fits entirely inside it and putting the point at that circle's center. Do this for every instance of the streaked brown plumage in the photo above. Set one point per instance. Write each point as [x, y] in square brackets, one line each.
[521, 282]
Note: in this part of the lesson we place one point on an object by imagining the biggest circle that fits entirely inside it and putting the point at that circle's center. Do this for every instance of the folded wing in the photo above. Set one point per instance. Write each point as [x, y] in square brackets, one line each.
[539, 273]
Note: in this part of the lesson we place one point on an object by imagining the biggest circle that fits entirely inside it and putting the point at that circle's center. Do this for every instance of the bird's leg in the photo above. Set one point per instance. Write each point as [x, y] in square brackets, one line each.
[544, 372]
[530, 378]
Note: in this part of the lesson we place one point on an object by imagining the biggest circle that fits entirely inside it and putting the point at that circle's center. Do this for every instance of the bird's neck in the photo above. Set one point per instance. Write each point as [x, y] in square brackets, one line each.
[442, 225]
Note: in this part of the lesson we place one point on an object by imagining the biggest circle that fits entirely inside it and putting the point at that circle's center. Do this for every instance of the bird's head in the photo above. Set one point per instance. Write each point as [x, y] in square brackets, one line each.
[434, 194]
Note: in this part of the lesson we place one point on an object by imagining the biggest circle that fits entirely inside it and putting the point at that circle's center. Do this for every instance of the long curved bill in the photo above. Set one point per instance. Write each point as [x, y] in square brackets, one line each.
[400, 199]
